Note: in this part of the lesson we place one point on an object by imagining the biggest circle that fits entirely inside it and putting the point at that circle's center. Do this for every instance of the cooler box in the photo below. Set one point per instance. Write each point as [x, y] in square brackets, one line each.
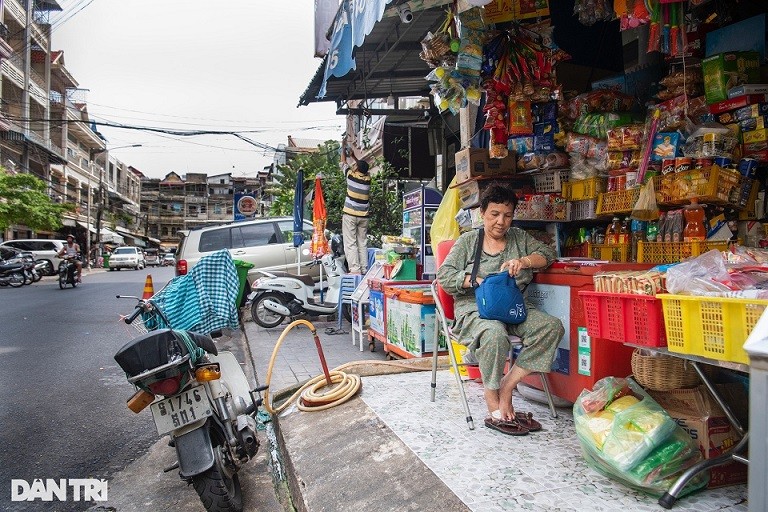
[411, 320]
[377, 307]
[580, 360]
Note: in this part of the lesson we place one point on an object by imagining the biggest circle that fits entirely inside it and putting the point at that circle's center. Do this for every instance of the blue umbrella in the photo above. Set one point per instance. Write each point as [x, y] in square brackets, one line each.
[298, 217]
[298, 210]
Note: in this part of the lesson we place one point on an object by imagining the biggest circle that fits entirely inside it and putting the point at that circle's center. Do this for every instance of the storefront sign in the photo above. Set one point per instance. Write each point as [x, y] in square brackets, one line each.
[508, 10]
[412, 199]
[339, 60]
[246, 206]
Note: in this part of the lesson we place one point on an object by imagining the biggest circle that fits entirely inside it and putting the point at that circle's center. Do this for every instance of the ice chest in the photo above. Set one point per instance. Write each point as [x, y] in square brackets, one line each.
[411, 321]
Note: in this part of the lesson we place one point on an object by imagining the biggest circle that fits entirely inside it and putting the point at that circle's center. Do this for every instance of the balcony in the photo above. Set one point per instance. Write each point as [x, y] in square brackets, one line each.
[13, 68]
[19, 14]
[5, 48]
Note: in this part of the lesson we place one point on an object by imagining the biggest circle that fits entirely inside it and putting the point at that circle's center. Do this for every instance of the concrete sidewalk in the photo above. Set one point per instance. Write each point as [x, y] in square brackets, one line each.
[391, 449]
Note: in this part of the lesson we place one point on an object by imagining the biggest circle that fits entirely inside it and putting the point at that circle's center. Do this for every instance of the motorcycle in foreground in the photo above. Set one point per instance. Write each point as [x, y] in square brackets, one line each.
[67, 272]
[201, 398]
[279, 295]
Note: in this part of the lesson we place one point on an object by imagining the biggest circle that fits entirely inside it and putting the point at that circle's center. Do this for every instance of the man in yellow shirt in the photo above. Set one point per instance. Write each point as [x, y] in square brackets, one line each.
[354, 221]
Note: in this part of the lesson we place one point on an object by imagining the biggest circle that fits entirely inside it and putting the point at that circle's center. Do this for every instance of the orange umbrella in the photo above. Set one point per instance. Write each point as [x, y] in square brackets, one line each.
[319, 245]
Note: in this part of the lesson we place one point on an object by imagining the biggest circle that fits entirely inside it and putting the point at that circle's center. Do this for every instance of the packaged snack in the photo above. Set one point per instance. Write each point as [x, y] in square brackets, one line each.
[665, 145]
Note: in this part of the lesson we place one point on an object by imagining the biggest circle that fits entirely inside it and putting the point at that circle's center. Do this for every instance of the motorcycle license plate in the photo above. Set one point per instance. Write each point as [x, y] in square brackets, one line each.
[180, 410]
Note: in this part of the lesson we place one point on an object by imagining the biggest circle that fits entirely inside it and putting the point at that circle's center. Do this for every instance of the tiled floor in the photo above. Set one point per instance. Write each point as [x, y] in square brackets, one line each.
[490, 472]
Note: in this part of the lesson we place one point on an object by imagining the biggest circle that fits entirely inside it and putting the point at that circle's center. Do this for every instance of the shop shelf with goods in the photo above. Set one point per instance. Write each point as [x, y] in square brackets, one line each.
[581, 360]
[412, 329]
[419, 207]
[377, 312]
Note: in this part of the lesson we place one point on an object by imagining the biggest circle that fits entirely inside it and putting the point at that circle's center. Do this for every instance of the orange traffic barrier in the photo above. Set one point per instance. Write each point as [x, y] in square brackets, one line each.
[149, 288]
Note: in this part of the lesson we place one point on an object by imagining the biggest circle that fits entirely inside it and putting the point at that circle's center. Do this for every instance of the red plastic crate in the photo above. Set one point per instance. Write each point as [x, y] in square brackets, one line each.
[624, 317]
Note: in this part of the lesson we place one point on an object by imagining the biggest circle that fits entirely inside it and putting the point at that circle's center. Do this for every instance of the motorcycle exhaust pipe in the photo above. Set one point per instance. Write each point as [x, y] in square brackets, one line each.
[276, 308]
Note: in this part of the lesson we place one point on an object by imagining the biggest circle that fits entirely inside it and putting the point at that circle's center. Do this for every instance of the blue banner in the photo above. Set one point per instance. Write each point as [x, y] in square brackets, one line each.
[354, 21]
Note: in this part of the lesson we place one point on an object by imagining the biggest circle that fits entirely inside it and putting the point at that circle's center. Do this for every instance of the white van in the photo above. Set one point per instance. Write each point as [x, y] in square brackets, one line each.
[41, 249]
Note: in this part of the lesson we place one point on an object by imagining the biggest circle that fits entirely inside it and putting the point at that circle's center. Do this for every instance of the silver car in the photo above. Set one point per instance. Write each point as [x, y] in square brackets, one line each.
[266, 243]
[126, 257]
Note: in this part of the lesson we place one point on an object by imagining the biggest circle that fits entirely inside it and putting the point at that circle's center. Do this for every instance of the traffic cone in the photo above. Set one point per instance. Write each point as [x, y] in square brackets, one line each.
[149, 288]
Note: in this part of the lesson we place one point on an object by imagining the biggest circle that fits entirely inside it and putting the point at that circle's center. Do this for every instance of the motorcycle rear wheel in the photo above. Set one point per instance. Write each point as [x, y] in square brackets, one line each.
[264, 317]
[218, 492]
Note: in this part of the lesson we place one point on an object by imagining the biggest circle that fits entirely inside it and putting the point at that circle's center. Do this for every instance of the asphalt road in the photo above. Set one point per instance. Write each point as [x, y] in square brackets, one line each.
[62, 396]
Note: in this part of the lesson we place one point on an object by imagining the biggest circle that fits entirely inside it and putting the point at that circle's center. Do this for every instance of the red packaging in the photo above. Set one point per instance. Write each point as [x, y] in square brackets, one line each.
[760, 156]
[683, 163]
[667, 165]
[737, 102]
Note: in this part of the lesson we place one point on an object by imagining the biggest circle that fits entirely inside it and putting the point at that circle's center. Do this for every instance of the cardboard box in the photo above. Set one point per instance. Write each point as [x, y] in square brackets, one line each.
[470, 191]
[755, 136]
[704, 420]
[741, 90]
[475, 162]
[727, 70]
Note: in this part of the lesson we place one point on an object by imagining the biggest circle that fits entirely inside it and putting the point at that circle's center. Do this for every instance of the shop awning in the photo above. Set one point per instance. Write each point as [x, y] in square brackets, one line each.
[388, 61]
[85, 226]
[107, 235]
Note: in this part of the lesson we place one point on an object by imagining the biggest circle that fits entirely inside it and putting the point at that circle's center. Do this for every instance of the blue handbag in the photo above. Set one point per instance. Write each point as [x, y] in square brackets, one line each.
[498, 296]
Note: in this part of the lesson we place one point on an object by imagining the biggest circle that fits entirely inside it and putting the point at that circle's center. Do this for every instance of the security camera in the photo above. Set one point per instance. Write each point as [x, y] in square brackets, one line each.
[406, 16]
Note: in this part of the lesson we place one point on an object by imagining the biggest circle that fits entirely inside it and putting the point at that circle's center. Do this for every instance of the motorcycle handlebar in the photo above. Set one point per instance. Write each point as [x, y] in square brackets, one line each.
[134, 315]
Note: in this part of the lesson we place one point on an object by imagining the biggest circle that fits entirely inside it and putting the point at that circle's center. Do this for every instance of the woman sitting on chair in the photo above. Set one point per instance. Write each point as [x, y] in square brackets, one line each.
[504, 249]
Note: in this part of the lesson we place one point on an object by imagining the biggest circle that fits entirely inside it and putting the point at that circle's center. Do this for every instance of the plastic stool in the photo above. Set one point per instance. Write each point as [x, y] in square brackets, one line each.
[348, 284]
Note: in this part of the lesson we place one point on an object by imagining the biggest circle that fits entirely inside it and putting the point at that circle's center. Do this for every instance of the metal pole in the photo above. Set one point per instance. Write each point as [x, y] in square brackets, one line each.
[88, 229]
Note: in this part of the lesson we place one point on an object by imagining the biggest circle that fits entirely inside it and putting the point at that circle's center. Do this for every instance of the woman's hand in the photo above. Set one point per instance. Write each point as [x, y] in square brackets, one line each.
[514, 266]
[467, 281]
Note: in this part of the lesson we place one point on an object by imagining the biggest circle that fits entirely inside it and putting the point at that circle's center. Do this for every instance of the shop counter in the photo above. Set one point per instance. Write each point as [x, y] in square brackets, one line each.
[580, 360]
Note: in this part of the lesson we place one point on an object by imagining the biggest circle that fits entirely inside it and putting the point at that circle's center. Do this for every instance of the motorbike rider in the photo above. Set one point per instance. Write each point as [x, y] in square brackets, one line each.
[72, 250]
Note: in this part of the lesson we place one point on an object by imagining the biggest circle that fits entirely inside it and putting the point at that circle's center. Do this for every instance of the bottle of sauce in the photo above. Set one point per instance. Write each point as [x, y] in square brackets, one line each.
[694, 222]
[624, 232]
[613, 231]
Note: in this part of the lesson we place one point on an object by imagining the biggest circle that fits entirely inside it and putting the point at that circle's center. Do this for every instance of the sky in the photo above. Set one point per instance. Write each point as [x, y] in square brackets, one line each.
[235, 65]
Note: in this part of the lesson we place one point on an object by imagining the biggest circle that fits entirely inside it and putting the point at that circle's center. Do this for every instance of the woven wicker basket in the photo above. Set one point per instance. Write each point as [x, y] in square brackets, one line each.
[662, 372]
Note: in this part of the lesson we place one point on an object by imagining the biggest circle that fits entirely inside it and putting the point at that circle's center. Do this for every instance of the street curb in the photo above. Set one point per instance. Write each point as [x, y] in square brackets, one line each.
[280, 477]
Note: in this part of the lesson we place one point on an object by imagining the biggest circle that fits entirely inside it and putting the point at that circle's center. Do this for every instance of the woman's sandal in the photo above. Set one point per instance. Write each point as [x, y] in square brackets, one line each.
[526, 420]
[509, 427]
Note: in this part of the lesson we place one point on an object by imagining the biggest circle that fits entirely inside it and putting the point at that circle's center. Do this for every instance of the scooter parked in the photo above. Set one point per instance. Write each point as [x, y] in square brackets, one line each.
[279, 295]
[201, 397]
[12, 273]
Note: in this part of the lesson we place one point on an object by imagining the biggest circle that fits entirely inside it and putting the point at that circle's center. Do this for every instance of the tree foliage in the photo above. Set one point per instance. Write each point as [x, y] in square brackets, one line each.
[23, 200]
[385, 211]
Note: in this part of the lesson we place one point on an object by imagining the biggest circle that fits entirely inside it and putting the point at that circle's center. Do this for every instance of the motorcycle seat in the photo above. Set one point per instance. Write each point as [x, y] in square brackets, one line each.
[150, 350]
[4, 267]
[307, 280]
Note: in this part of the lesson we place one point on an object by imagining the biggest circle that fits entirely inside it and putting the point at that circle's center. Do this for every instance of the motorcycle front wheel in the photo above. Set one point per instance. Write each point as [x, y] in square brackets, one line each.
[17, 279]
[217, 491]
[62, 281]
[264, 317]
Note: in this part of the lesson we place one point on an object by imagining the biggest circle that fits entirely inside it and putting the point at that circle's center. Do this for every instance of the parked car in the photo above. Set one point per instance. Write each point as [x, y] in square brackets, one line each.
[126, 257]
[267, 243]
[152, 257]
[169, 260]
[41, 249]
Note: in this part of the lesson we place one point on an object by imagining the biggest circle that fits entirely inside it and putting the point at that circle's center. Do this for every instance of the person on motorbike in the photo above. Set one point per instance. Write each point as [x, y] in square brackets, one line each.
[72, 251]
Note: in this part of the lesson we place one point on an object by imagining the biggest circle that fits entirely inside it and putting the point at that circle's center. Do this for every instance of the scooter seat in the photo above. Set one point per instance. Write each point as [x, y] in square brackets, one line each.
[10, 267]
[307, 280]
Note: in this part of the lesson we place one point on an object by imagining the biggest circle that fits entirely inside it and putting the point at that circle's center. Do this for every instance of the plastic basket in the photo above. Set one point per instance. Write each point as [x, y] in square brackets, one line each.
[583, 209]
[577, 251]
[551, 181]
[713, 185]
[660, 372]
[536, 209]
[673, 252]
[712, 327]
[581, 190]
[617, 202]
[624, 318]
[610, 252]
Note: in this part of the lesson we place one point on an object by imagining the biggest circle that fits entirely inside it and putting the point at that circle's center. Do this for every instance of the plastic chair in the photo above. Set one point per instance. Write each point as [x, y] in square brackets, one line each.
[348, 284]
[444, 310]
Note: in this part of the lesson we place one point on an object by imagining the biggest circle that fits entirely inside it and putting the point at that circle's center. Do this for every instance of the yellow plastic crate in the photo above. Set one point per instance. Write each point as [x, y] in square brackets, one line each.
[712, 185]
[712, 327]
[581, 190]
[673, 252]
[610, 252]
[617, 202]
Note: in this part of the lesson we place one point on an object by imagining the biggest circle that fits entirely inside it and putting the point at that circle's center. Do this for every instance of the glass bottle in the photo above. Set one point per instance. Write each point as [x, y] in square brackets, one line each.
[624, 232]
[694, 222]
